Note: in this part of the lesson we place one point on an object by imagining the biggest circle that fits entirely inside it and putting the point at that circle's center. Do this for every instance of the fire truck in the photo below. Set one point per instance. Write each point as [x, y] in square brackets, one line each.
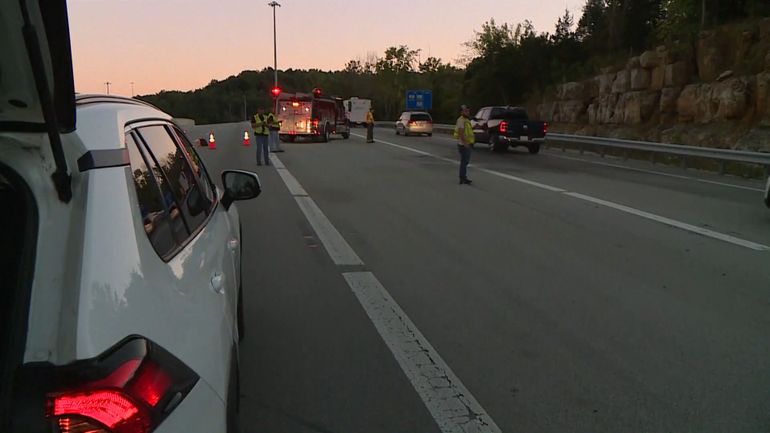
[313, 115]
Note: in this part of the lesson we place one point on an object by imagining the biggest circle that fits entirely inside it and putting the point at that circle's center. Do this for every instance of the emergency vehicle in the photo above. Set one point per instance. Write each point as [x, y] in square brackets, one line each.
[312, 115]
[357, 109]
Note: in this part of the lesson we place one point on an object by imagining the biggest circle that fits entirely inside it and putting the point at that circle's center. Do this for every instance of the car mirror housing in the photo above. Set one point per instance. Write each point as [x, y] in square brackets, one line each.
[240, 185]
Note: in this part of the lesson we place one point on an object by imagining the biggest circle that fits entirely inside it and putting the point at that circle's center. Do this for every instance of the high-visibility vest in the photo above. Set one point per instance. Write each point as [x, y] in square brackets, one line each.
[272, 121]
[467, 132]
[260, 124]
[369, 117]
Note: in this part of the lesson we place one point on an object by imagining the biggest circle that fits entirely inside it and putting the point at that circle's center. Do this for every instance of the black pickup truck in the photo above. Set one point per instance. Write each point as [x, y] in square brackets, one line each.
[501, 127]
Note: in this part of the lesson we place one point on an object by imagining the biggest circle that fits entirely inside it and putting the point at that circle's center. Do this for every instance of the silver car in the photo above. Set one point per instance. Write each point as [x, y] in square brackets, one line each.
[414, 122]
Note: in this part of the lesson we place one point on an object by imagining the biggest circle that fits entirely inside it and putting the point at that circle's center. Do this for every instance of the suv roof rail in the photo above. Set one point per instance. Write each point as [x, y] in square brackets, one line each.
[83, 99]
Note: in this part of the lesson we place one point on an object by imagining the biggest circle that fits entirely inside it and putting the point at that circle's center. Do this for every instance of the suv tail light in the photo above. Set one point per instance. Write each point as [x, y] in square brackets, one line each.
[412, 122]
[131, 388]
[503, 127]
[545, 127]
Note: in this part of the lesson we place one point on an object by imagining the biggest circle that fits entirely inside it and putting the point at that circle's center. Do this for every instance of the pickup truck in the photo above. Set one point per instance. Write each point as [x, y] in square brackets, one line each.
[501, 127]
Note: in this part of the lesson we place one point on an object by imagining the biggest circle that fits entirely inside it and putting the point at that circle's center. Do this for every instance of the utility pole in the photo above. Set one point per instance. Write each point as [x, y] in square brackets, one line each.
[273, 4]
[107, 83]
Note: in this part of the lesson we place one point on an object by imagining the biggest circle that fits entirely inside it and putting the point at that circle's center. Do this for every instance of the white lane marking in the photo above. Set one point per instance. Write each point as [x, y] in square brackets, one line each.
[294, 187]
[672, 223]
[448, 401]
[338, 249]
[277, 163]
[659, 173]
[650, 216]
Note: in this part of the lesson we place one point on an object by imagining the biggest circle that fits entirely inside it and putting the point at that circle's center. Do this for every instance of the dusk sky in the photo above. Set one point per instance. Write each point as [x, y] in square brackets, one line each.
[184, 44]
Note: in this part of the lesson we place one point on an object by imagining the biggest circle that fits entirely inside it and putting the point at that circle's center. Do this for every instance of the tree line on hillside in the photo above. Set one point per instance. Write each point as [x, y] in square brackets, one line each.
[504, 64]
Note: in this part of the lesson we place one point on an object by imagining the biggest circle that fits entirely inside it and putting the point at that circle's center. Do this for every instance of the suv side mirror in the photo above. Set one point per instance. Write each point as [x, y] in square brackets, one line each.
[239, 185]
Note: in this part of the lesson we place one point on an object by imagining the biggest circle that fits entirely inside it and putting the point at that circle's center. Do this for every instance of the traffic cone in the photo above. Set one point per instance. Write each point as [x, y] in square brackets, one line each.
[212, 141]
[246, 140]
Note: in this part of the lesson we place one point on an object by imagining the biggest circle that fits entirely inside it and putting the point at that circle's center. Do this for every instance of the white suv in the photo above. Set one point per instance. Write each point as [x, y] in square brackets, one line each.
[120, 259]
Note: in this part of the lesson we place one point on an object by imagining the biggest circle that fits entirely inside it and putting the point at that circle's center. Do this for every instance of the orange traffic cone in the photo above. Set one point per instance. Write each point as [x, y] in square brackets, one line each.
[212, 141]
[246, 140]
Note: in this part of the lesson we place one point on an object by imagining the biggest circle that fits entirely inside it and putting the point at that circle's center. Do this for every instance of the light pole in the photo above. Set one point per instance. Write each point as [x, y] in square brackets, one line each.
[107, 83]
[273, 4]
[132, 89]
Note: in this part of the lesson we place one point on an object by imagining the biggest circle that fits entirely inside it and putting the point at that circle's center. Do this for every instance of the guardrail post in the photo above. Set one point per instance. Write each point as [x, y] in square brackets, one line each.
[580, 146]
[684, 162]
[722, 167]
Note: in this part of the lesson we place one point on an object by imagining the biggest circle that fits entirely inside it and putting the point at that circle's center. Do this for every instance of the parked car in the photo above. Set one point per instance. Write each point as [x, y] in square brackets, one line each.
[414, 122]
[121, 305]
[505, 126]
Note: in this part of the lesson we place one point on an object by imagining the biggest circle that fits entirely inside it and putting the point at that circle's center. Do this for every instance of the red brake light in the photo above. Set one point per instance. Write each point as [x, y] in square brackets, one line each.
[129, 390]
[110, 408]
[411, 121]
[545, 127]
[315, 123]
[503, 126]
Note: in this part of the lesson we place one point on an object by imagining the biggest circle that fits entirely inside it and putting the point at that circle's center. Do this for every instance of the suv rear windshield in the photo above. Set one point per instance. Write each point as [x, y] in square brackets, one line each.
[420, 116]
[511, 114]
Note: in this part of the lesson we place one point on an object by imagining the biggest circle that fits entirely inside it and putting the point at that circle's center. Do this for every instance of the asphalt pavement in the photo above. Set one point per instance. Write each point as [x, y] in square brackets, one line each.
[558, 293]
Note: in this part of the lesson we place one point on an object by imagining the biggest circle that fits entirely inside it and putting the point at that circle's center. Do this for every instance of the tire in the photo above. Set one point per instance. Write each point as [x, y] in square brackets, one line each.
[498, 146]
[325, 135]
[397, 133]
[534, 149]
[346, 135]
[430, 134]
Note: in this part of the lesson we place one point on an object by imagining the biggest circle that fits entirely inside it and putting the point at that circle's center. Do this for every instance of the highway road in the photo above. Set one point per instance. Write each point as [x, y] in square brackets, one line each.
[558, 293]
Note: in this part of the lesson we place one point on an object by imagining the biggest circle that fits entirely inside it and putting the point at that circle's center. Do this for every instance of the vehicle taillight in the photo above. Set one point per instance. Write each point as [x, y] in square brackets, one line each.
[545, 127]
[315, 123]
[411, 122]
[131, 389]
[503, 126]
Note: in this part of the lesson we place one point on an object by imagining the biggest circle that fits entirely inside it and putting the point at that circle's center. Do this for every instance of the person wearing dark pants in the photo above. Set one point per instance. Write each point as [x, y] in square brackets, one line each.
[370, 126]
[465, 139]
[261, 132]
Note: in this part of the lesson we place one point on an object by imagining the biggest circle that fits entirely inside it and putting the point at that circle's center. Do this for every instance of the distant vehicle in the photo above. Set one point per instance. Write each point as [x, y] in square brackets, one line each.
[312, 115]
[356, 109]
[505, 126]
[767, 193]
[414, 122]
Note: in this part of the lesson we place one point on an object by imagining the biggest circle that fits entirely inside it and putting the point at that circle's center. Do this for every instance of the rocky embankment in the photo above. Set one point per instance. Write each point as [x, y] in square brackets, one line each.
[715, 92]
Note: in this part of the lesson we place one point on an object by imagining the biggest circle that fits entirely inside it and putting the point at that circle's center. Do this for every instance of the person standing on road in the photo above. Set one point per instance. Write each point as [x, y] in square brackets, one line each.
[274, 126]
[261, 132]
[465, 139]
[370, 126]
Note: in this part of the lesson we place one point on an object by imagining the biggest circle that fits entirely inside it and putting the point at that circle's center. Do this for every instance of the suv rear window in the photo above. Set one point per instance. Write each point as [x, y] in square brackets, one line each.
[420, 116]
[511, 114]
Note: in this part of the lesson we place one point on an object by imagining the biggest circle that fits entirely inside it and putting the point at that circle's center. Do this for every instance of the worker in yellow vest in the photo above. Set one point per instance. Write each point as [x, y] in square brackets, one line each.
[464, 134]
[370, 126]
[274, 126]
[261, 133]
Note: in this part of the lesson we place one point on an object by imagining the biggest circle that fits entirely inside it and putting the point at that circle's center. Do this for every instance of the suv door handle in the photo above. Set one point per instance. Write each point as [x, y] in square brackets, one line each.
[218, 283]
[232, 244]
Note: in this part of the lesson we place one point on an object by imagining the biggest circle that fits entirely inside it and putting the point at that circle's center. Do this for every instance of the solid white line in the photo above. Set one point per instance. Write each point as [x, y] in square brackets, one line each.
[448, 401]
[294, 187]
[338, 249]
[650, 216]
[672, 223]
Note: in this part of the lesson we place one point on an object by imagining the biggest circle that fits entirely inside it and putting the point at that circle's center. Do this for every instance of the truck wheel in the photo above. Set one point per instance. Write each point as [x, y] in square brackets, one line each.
[397, 132]
[430, 134]
[346, 135]
[325, 136]
[498, 145]
[534, 148]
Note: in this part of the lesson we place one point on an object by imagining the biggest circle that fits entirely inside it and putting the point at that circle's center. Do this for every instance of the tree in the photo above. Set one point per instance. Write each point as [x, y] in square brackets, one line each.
[354, 67]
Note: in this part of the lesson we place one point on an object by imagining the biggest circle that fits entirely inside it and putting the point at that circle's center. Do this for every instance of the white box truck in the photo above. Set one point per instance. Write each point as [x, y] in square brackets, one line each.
[356, 109]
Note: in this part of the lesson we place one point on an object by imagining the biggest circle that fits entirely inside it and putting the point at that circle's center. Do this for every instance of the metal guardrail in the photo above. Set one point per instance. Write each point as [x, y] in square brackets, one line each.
[721, 155]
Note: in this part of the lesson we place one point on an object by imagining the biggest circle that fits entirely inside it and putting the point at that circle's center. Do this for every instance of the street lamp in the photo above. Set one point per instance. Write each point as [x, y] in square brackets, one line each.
[273, 4]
